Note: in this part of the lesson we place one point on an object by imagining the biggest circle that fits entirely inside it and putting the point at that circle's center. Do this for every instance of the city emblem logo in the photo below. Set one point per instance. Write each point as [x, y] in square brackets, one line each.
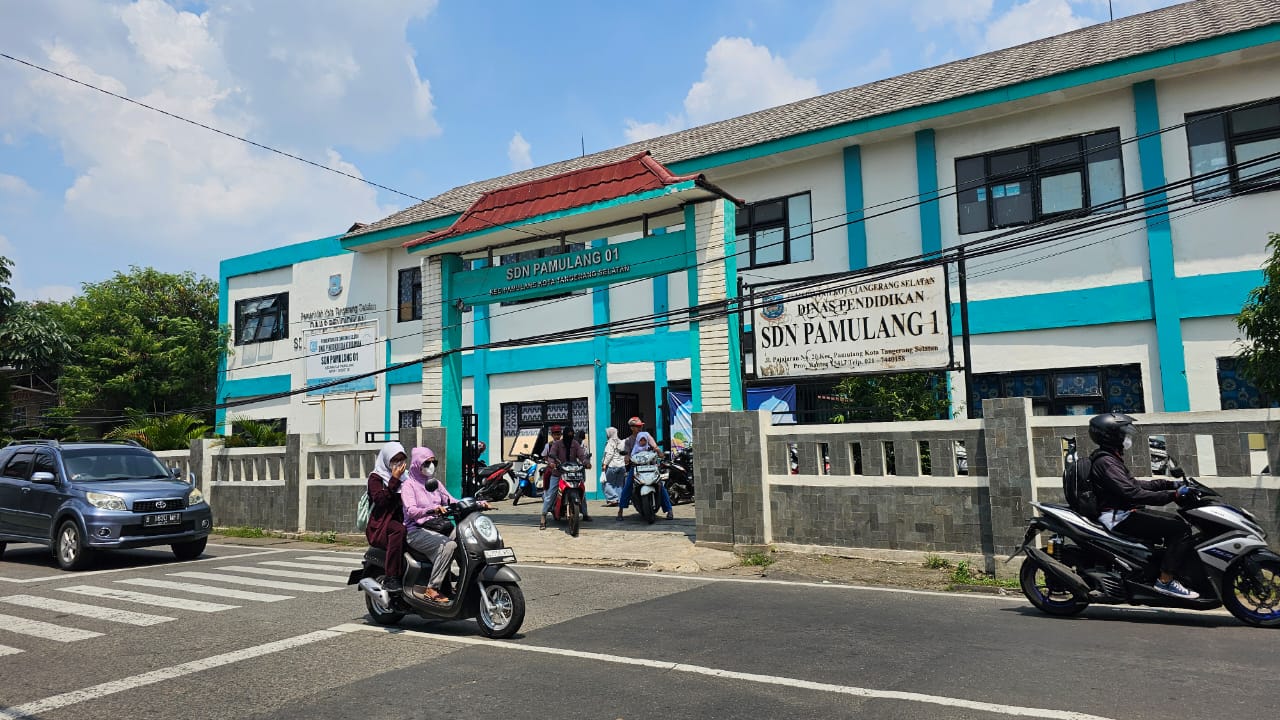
[335, 285]
[774, 311]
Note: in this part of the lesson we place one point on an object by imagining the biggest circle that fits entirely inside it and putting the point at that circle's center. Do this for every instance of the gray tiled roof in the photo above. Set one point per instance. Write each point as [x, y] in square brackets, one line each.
[1094, 45]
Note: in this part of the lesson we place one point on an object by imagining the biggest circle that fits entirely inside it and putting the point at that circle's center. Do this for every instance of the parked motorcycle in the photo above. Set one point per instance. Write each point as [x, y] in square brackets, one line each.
[569, 493]
[529, 477]
[487, 589]
[644, 484]
[1084, 563]
[677, 474]
[490, 483]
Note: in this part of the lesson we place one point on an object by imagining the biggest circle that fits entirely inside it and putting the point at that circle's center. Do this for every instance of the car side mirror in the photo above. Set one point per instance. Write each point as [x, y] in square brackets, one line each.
[175, 473]
[43, 478]
[191, 479]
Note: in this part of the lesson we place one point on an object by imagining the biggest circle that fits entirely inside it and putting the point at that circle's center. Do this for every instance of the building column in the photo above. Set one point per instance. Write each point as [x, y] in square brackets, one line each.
[716, 355]
[442, 366]
[853, 207]
[927, 184]
[600, 374]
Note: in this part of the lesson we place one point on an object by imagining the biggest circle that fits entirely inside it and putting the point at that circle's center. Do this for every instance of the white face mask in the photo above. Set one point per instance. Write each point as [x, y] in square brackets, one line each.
[429, 469]
[1128, 442]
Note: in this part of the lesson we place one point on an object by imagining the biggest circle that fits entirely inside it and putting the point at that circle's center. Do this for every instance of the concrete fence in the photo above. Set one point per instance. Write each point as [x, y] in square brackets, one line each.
[945, 486]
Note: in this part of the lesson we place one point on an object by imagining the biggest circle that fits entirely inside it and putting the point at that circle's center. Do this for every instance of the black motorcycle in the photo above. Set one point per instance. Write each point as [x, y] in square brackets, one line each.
[490, 483]
[487, 589]
[677, 474]
[1083, 563]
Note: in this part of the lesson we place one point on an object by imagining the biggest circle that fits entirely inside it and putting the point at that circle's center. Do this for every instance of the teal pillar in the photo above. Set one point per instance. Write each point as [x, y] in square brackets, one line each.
[927, 186]
[737, 396]
[1164, 299]
[695, 350]
[451, 372]
[480, 374]
[600, 371]
[661, 304]
[854, 206]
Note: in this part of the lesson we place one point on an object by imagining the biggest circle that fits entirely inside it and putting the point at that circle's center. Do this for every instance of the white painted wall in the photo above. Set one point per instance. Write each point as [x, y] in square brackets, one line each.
[1204, 341]
[559, 384]
[889, 189]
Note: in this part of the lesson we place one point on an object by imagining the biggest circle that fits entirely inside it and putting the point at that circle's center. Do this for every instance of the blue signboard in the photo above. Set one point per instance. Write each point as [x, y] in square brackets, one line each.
[779, 401]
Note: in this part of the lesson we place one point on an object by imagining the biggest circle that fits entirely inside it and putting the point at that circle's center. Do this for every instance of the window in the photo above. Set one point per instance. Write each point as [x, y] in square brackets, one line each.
[45, 462]
[535, 254]
[1017, 186]
[1220, 142]
[262, 319]
[524, 424]
[410, 294]
[410, 418]
[1069, 391]
[19, 465]
[1234, 389]
[776, 232]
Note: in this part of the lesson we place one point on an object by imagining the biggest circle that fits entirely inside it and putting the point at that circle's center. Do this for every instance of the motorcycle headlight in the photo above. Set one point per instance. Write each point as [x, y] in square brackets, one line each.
[486, 529]
[195, 497]
[105, 501]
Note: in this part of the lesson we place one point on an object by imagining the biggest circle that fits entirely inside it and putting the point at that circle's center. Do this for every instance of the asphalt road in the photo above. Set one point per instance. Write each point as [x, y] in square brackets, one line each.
[596, 644]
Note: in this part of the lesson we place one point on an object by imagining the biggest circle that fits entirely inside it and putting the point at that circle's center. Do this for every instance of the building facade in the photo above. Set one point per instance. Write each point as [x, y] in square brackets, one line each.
[1129, 165]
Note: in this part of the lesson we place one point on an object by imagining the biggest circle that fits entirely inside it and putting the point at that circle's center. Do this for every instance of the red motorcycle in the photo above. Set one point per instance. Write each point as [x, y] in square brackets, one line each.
[569, 493]
[490, 483]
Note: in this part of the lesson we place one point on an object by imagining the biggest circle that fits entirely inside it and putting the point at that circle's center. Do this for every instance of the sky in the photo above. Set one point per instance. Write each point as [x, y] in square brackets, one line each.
[417, 95]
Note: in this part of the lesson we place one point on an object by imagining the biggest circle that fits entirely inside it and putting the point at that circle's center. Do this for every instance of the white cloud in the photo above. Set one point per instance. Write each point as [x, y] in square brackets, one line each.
[15, 188]
[1032, 20]
[518, 153]
[927, 14]
[49, 292]
[636, 131]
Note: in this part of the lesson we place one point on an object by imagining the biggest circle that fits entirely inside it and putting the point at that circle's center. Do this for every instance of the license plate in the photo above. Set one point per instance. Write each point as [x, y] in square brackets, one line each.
[161, 519]
[499, 556]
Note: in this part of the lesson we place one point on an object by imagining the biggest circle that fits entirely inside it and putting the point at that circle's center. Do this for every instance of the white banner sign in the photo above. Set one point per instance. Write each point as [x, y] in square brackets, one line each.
[900, 323]
[341, 352]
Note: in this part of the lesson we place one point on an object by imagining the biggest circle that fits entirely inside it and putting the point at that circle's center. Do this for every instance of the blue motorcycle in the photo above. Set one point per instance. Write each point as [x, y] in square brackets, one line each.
[529, 480]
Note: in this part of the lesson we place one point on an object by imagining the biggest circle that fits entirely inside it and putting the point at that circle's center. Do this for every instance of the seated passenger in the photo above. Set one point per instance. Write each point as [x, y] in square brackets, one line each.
[386, 521]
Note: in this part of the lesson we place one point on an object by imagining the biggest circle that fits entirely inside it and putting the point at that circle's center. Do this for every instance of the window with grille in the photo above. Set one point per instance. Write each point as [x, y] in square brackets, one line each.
[262, 319]
[1235, 151]
[1067, 391]
[1021, 185]
[410, 294]
[524, 423]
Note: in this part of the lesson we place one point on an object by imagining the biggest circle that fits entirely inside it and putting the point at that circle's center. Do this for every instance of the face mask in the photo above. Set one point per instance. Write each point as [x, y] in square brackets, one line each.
[1128, 442]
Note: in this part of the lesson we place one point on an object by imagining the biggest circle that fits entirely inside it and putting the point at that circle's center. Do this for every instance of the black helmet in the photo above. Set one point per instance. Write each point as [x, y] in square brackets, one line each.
[1108, 430]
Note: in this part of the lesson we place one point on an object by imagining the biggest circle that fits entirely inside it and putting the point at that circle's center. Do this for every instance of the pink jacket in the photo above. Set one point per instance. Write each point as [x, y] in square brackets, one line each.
[419, 502]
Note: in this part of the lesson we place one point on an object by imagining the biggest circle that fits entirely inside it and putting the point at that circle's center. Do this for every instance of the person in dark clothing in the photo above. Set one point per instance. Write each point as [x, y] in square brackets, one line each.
[386, 522]
[1122, 499]
[562, 449]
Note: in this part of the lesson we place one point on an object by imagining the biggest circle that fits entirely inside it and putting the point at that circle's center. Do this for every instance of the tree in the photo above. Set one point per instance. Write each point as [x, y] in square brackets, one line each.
[32, 339]
[162, 432]
[1259, 320]
[145, 340]
[905, 396]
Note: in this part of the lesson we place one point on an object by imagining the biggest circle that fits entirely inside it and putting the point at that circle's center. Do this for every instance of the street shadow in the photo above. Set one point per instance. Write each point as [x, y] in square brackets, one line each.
[444, 628]
[41, 557]
[1135, 616]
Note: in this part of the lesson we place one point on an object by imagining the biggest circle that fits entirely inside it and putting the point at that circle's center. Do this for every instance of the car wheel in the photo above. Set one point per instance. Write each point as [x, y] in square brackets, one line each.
[69, 548]
[189, 550]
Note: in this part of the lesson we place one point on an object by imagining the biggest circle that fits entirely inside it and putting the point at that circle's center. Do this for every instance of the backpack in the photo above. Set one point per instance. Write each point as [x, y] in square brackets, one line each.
[1078, 487]
[364, 509]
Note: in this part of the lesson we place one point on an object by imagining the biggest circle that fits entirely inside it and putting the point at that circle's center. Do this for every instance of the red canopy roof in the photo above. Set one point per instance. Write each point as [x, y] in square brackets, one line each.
[560, 192]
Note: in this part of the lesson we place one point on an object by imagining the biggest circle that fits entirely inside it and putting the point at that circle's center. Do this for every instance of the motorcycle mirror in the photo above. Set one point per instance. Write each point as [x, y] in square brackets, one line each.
[1178, 472]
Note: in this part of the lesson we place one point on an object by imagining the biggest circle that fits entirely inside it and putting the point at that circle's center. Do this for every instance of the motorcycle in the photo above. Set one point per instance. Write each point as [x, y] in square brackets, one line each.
[569, 493]
[1083, 563]
[529, 477]
[677, 474]
[644, 484]
[486, 588]
[490, 483]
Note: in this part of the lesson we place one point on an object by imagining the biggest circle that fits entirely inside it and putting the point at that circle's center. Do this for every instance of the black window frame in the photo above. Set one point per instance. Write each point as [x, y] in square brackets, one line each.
[1219, 122]
[1094, 146]
[278, 310]
[538, 254]
[413, 417]
[748, 227]
[409, 283]
[1054, 400]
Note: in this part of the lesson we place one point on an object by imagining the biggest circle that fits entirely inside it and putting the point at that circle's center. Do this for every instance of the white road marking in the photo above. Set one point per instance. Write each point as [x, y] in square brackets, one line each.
[344, 558]
[197, 589]
[147, 598]
[251, 553]
[256, 582]
[343, 569]
[75, 697]
[97, 612]
[6, 650]
[285, 574]
[45, 630]
[995, 708]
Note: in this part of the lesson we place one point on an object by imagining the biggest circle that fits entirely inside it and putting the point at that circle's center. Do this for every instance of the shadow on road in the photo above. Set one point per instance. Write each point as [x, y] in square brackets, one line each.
[1136, 616]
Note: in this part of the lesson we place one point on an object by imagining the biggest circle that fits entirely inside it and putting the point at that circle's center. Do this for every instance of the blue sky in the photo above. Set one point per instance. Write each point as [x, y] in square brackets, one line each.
[420, 96]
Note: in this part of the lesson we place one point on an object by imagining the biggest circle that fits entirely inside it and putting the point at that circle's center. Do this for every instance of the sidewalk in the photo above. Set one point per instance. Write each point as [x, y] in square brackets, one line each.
[665, 546]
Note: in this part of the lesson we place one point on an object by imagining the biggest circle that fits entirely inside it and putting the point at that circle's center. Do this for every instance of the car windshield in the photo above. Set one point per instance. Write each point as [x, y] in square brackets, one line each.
[125, 463]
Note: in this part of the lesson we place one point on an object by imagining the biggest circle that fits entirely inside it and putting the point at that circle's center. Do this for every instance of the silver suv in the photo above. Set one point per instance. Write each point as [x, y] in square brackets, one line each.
[81, 497]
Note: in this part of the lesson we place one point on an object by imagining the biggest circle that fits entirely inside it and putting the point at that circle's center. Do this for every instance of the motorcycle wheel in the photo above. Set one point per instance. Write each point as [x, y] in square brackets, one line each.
[574, 520]
[648, 507]
[500, 491]
[508, 610]
[1253, 597]
[1046, 593]
[381, 615]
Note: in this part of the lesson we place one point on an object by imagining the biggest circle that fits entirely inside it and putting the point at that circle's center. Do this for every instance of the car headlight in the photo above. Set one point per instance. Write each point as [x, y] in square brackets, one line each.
[105, 501]
[486, 529]
[195, 498]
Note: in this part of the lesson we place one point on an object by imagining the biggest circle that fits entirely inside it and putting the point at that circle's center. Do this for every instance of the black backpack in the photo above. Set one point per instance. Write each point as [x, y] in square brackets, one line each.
[1077, 485]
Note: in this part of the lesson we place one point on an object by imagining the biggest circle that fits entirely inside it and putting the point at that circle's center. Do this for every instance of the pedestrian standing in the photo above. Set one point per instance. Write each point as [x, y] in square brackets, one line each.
[615, 467]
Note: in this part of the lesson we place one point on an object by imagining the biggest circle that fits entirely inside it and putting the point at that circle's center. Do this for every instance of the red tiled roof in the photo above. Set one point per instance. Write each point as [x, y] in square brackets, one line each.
[576, 188]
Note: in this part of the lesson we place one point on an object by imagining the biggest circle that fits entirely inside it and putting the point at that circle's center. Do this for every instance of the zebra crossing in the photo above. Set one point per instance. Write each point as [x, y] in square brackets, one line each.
[134, 601]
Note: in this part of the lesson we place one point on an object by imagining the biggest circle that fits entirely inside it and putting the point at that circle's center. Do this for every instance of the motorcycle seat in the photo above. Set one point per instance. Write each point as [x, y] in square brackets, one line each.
[1096, 525]
[491, 469]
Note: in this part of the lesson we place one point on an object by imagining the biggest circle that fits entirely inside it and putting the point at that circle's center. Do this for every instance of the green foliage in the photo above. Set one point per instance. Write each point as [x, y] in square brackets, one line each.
[247, 432]
[905, 396]
[164, 432]
[6, 291]
[1259, 320]
[935, 562]
[32, 339]
[242, 532]
[758, 559]
[964, 575]
[144, 340]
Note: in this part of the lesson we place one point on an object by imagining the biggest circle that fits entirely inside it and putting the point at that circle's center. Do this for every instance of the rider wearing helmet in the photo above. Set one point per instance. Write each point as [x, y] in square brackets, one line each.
[624, 499]
[1122, 498]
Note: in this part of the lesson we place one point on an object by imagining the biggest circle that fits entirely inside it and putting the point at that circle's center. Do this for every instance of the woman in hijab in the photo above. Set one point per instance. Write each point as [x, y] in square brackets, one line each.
[386, 522]
[425, 497]
[615, 467]
[645, 443]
